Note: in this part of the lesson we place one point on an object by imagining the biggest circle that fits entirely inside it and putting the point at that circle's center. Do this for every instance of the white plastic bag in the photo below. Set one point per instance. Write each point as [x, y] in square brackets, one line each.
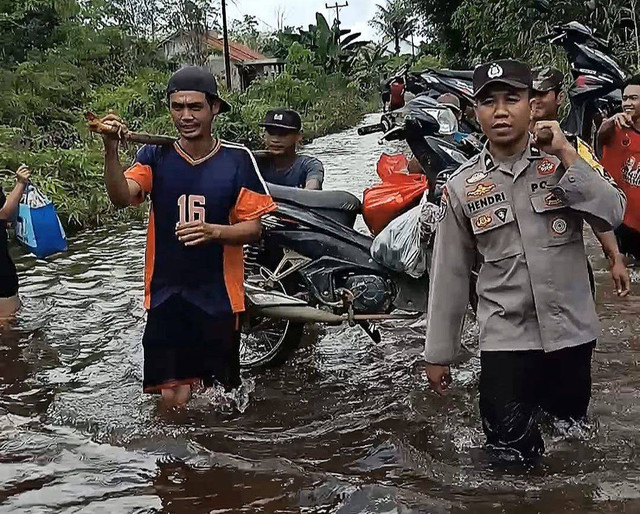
[428, 217]
[402, 244]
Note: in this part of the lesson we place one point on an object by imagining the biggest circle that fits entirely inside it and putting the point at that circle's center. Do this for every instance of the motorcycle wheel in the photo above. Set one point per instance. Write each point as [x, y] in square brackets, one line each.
[267, 342]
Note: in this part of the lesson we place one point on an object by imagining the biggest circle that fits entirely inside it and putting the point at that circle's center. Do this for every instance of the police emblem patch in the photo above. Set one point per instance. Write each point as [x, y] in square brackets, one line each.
[481, 190]
[495, 71]
[546, 167]
[559, 226]
[484, 221]
[501, 214]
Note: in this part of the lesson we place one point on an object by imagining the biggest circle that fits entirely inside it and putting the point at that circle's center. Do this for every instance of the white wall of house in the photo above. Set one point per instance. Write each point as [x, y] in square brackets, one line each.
[174, 46]
[215, 64]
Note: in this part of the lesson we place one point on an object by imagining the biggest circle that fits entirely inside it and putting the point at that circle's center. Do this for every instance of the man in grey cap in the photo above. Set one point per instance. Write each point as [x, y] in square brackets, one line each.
[521, 204]
[452, 102]
[548, 97]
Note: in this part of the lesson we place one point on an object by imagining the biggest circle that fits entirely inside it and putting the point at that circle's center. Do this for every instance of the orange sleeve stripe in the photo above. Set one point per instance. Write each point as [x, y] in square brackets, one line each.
[149, 260]
[142, 175]
[251, 206]
[233, 265]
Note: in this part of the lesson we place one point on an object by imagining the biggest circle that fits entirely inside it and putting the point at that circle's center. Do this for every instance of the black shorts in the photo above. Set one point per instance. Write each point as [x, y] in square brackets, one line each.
[628, 241]
[8, 276]
[516, 386]
[185, 345]
[8, 285]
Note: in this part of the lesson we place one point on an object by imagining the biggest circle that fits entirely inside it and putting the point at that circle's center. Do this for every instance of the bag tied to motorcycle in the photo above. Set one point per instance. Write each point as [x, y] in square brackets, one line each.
[385, 201]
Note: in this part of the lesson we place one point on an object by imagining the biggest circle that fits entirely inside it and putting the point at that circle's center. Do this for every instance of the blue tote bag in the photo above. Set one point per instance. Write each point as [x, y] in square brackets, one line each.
[37, 225]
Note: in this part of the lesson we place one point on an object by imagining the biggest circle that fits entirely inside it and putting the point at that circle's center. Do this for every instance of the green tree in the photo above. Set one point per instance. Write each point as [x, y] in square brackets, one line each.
[60, 58]
[465, 32]
[32, 26]
[246, 31]
[395, 20]
[334, 49]
[193, 19]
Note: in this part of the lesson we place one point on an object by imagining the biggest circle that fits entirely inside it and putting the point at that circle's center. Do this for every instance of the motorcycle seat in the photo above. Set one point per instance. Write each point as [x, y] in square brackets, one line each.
[455, 74]
[340, 206]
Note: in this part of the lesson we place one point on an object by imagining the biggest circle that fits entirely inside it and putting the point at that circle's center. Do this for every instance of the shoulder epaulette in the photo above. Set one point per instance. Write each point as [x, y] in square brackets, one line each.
[471, 162]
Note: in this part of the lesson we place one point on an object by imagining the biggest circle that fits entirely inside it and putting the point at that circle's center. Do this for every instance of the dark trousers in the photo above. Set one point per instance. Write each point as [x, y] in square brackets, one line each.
[516, 386]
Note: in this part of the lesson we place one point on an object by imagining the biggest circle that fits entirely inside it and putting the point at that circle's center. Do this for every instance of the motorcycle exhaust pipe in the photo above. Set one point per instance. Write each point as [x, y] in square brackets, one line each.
[308, 314]
[299, 313]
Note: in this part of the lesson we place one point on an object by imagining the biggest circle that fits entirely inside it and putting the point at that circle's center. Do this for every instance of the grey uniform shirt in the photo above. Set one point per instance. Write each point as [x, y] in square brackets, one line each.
[302, 170]
[526, 221]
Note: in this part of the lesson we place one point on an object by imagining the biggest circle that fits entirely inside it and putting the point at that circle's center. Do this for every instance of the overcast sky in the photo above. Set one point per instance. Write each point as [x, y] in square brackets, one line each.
[302, 12]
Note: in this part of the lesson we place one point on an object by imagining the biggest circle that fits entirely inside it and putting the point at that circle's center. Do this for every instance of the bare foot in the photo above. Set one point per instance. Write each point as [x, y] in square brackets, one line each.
[176, 396]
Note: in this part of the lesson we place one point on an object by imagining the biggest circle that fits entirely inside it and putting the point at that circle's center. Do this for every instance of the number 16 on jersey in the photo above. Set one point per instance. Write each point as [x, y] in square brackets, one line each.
[191, 208]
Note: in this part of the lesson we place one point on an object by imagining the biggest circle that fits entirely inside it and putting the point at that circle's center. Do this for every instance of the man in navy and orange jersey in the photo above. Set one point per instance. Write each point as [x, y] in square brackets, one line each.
[207, 198]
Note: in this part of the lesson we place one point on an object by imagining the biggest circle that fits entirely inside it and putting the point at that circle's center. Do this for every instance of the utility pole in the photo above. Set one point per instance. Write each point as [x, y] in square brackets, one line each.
[225, 43]
[337, 7]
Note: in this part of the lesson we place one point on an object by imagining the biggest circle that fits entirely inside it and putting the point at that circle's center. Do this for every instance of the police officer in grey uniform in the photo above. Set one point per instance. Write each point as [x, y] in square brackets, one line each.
[521, 204]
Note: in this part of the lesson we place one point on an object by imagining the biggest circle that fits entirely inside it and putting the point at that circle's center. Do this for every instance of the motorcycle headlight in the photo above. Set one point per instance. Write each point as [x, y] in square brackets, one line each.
[446, 119]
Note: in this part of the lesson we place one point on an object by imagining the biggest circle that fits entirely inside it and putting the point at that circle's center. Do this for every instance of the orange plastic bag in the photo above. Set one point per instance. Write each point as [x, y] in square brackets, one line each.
[387, 200]
[392, 164]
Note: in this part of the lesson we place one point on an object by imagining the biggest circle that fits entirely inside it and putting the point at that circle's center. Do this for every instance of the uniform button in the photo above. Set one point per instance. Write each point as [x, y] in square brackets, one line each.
[572, 179]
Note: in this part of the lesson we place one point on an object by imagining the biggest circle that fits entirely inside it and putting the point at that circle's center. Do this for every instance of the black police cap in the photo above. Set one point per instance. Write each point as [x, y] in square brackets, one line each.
[505, 71]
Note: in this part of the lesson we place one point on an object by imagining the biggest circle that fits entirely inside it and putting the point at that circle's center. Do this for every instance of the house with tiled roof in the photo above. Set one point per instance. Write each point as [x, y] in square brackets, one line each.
[246, 64]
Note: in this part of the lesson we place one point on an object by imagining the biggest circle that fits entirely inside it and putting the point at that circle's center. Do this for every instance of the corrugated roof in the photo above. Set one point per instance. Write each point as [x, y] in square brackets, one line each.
[237, 51]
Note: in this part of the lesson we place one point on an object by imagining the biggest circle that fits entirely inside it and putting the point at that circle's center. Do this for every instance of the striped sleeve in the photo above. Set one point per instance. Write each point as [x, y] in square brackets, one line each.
[253, 199]
[142, 172]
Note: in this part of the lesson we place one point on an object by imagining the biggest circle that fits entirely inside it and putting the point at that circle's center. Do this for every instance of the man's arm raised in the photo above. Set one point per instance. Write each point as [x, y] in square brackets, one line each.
[122, 192]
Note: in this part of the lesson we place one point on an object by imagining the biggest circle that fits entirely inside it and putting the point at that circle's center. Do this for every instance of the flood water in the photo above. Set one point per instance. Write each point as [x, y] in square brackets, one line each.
[346, 426]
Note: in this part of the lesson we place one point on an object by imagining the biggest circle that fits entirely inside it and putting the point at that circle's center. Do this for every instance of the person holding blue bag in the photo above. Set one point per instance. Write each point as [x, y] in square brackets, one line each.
[9, 300]
[37, 226]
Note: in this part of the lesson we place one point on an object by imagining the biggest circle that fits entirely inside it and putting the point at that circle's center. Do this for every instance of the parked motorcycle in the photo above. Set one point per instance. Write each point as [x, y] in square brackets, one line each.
[437, 147]
[313, 266]
[432, 82]
[596, 92]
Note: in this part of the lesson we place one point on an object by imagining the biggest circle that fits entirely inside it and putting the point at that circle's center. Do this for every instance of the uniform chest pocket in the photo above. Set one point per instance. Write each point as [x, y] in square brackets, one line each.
[557, 224]
[496, 233]
[546, 201]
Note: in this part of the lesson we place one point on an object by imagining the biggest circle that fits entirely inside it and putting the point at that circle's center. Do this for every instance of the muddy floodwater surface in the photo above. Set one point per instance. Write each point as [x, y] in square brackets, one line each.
[345, 426]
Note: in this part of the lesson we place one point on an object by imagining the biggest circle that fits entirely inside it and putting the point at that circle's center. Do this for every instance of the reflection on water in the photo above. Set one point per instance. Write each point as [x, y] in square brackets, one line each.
[346, 426]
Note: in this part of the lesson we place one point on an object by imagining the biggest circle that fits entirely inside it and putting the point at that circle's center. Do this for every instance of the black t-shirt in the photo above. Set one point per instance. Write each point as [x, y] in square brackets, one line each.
[8, 274]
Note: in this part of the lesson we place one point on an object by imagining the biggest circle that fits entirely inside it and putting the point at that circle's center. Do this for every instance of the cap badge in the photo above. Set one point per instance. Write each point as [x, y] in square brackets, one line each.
[278, 117]
[495, 71]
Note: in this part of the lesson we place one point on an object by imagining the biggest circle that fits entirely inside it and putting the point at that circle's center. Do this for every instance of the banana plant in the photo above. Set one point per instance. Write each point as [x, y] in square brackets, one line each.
[335, 49]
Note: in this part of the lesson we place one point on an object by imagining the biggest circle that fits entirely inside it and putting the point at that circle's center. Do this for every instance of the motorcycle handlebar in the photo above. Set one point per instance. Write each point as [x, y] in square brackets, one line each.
[370, 129]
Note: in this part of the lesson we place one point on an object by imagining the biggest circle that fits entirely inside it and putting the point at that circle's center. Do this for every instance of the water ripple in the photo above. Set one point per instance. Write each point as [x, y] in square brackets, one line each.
[346, 426]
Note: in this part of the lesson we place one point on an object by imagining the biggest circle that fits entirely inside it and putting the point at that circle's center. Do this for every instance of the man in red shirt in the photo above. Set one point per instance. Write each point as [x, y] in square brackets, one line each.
[619, 137]
[397, 94]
